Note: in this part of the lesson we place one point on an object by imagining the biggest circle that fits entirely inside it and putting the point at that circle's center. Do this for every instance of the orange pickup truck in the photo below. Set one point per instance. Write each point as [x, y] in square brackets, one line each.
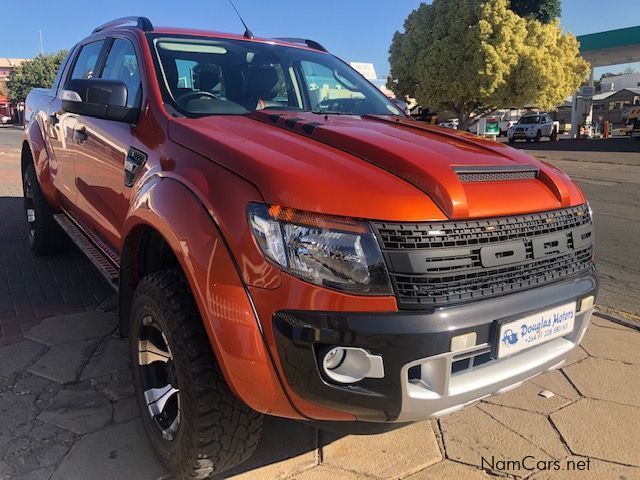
[285, 241]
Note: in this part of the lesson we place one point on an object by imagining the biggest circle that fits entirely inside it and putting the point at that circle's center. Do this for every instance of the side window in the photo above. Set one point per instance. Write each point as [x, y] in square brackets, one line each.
[186, 69]
[122, 65]
[87, 59]
[63, 65]
[325, 86]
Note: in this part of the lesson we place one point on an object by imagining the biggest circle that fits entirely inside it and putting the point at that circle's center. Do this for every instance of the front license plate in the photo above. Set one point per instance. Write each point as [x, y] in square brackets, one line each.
[536, 329]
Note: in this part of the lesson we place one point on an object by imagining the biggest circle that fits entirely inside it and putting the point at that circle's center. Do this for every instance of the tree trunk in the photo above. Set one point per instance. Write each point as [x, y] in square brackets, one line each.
[464, 120]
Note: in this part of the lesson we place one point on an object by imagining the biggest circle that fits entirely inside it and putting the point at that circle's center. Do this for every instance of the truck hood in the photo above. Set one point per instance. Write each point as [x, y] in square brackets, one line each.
[376, 166]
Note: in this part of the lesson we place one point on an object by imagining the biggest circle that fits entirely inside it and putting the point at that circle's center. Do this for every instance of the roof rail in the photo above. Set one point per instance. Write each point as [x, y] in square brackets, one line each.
[143, 23]
[305, 41]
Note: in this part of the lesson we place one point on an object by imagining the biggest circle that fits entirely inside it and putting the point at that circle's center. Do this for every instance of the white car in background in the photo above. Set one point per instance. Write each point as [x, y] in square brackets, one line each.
[451, 123]
[532, 127]
[4, 120]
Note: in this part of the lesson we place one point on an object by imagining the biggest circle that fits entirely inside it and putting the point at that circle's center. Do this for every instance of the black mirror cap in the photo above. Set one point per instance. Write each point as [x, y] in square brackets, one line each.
[100, 98]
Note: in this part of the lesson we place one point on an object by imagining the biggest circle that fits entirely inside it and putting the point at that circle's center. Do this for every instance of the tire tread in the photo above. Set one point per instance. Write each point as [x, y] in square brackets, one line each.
[225, 431]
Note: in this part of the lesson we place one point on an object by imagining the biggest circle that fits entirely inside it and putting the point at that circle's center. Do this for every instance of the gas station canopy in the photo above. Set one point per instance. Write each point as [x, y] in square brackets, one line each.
[611, 48]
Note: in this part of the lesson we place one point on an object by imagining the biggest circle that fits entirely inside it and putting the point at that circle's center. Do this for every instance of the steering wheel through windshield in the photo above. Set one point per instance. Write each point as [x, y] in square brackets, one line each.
[183, 99]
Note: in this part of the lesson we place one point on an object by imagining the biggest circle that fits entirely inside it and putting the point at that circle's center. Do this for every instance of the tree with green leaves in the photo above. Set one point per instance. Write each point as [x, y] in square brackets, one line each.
[37, 73]
[545, 11]
[468, 55]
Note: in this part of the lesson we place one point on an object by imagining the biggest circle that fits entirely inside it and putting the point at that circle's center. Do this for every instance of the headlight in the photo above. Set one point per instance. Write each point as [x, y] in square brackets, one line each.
[334, 252]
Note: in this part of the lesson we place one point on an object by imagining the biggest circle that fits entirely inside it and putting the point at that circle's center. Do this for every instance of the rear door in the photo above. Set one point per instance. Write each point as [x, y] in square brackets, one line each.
[103, 199]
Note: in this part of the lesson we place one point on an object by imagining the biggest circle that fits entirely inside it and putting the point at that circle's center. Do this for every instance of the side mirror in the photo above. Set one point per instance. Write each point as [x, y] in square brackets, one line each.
[100, 98]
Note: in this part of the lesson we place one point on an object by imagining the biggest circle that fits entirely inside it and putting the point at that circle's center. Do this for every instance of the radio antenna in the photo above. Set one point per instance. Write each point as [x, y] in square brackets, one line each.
[247, 33]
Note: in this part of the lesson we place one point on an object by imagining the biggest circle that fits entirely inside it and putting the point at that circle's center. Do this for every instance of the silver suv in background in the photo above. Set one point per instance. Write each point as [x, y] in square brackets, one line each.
[532, 127]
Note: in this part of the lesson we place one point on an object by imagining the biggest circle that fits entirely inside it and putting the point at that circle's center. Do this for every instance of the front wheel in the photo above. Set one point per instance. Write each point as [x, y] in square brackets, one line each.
[538, 136]
[195, 424]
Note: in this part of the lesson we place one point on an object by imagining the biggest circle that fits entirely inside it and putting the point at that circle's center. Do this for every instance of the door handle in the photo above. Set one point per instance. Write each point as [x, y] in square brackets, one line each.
[80, 134]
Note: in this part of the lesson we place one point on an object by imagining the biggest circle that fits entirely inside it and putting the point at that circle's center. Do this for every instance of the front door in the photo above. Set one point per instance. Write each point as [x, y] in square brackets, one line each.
[101, 151]
[60, 127]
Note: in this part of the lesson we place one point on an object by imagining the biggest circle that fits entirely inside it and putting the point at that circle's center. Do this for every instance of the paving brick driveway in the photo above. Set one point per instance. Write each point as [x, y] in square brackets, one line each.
[67, 410]
[32, 288]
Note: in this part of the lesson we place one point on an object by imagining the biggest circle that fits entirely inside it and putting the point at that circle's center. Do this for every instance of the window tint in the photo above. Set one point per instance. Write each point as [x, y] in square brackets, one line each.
[87, 59]
[122, 65]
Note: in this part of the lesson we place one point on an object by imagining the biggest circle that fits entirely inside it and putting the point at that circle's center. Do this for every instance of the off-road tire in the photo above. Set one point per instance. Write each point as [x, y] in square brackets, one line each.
[44, 234]
[216, 430]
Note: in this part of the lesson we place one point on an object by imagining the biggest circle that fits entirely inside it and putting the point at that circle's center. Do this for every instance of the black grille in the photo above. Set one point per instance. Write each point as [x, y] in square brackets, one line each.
[438, 264]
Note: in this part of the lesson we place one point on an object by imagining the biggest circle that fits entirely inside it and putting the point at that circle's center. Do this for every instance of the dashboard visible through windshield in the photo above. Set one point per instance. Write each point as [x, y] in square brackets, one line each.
[202, 76]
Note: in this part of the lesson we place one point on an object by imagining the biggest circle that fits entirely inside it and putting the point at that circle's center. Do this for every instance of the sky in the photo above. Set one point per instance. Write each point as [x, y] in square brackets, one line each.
[355, 30]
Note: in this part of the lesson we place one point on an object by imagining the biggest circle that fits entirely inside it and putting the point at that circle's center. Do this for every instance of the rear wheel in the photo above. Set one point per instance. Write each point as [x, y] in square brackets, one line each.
[43, 232]
[195, 424]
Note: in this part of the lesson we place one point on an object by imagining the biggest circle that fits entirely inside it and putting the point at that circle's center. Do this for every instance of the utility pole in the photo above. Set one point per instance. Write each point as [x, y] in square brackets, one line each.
[41, 44]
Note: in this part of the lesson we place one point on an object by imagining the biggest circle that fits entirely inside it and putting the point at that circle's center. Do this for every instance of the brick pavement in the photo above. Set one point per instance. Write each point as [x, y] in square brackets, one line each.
[68, 413]
[34, 287]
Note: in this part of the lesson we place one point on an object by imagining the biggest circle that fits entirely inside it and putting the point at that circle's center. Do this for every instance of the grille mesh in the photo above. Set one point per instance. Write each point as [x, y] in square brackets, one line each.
[496, 176]
[458, 276]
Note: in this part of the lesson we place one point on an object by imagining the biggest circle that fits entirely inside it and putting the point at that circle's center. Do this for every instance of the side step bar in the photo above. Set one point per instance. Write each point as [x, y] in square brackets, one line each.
[99, 258]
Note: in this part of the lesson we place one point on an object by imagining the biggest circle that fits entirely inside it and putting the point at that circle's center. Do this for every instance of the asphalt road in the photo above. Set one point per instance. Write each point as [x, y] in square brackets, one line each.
[608, 171]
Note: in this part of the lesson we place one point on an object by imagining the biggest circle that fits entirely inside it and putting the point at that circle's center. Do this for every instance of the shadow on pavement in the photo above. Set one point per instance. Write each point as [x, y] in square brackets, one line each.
[284, 445]
[34, 287]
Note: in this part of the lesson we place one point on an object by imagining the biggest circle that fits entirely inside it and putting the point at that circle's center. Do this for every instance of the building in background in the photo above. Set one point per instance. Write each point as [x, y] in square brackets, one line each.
[615, 83]
[612, 106]
[7, 66]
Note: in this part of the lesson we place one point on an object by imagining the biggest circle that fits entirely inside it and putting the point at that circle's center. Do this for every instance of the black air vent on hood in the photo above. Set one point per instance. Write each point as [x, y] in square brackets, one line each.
[495, 173]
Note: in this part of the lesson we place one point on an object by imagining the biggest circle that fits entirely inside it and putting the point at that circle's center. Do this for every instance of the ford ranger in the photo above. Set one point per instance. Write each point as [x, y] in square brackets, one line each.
[285, 241]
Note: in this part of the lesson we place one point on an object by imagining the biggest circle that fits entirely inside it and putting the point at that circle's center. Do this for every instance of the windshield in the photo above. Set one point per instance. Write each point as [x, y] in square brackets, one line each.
[529, 120]
[210, 76]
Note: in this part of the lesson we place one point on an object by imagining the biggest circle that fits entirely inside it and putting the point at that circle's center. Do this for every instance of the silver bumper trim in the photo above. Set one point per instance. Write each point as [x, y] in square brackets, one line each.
[438, 392]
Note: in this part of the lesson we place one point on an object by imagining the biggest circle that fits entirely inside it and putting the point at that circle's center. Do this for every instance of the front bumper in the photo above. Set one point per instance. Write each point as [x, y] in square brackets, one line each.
[423, 378]
[522, 135]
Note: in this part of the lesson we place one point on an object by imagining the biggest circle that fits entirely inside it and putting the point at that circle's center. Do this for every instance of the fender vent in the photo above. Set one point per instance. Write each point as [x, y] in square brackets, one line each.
[496, 174]
[133, 164]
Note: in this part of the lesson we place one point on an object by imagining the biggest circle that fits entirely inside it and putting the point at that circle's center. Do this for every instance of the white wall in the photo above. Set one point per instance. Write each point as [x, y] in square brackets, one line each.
[629, 80]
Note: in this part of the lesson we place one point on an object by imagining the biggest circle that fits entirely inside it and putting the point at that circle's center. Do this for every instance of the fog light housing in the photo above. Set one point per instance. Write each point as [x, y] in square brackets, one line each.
[350, 365]
[586, 303]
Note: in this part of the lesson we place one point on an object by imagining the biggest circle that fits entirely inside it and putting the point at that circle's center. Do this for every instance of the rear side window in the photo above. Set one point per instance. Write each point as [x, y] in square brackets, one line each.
[87, 60]
[122, 65]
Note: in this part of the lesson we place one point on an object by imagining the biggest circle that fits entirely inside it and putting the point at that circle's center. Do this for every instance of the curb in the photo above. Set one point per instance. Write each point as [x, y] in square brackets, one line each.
[617, 319]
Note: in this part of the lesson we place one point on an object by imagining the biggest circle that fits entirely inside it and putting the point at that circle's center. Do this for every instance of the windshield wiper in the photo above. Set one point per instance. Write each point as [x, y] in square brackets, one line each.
[332, 112]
